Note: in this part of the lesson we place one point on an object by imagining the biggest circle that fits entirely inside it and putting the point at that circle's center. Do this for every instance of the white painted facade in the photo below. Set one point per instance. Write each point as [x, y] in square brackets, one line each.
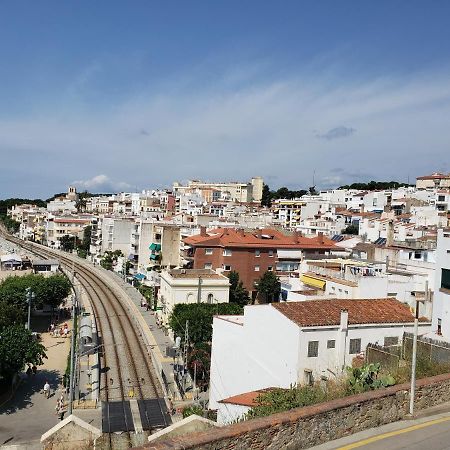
[182, 287]
[265, 349]
[441, 306]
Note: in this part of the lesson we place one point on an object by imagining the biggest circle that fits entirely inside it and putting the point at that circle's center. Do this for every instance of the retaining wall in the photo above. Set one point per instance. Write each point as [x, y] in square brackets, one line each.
[305, 427]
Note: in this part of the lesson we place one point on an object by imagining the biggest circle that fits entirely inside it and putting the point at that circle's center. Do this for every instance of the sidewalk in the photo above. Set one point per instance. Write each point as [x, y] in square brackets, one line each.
[29, 414]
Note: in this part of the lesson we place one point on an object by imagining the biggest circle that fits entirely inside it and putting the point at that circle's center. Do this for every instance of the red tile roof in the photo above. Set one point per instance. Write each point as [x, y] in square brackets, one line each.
[434, 176]
[247, 398]
[312, 313]
[266, 238]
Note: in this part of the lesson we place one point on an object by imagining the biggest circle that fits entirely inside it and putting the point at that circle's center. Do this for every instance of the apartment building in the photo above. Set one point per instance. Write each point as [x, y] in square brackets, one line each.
[58, 226]
[239, 192]
[435, 180]
[252, 253]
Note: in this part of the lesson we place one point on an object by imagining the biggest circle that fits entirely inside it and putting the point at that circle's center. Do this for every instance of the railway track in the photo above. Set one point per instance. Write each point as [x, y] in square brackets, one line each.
[127, 370]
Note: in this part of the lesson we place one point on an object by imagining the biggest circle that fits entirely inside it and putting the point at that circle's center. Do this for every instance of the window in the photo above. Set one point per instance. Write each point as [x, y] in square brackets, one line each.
[208, 265]
[445, 281]
[210, 298]
[270, 269]
[256, 268]
[439, 327]
[331, 343]
[270, 253]
[441, 198]
[313, 349]
[389, 341]
[355, 346]
[227, 252]
[257, 253]
[226, 267]
[309, 379]
[208, 251]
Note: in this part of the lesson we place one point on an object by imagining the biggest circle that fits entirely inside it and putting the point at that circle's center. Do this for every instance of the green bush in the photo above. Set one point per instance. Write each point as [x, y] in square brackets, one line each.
[191, 410]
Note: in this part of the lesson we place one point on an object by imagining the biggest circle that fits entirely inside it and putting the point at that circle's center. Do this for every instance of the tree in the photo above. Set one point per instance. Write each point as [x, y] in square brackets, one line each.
[199, 363]
[17, 348]
[200, 317]
[10, 224]
[68, 243]
[110, 258]
[48, 290]
[351, 229]
[11, 315]
[266, 198]
[238, 294]
[269, 287]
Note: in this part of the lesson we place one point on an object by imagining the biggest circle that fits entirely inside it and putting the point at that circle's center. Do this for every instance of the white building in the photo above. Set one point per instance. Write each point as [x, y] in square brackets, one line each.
[441, 307]
[190, 286]
[281, 344]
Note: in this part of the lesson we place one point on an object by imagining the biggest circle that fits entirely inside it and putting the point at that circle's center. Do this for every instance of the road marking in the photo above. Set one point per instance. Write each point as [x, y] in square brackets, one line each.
[393, 433]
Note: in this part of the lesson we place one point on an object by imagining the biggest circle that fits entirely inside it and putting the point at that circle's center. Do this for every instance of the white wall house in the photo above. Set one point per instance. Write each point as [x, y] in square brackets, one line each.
[190, 286]
[441, 306]
[281, 344]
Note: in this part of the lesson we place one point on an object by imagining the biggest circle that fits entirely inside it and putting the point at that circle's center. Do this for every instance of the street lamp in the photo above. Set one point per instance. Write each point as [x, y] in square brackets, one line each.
[30, 297]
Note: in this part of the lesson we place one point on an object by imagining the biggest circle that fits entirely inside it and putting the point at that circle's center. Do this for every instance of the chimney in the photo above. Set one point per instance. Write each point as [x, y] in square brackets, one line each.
[344, 320]
[320, 237]
[390, 234]
[203, 231]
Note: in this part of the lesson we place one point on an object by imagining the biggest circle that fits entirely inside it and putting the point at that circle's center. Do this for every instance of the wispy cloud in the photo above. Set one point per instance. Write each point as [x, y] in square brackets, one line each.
[337, 132]
[264, 128]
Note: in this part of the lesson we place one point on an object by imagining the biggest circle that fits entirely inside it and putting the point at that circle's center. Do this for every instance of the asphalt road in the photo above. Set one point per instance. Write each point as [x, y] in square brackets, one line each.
[430, 433]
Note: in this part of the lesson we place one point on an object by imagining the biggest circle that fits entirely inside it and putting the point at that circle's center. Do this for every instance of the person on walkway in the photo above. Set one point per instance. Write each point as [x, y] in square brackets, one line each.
[61, 412]
[34, 369]
[57, 407]
[29, 371]
[47, 389]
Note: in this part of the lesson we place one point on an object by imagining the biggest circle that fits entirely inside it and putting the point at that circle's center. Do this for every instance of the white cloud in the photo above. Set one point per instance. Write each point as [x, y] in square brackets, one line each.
[101, 183]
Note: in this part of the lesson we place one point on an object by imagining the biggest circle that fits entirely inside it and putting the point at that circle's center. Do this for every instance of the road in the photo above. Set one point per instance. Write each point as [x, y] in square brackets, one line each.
[431, 433]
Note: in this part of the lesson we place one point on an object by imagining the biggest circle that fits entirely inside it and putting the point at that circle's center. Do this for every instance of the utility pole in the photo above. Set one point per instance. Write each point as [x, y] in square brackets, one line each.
[199, 290]
[414, 354]
[185, 350]
[72, 353]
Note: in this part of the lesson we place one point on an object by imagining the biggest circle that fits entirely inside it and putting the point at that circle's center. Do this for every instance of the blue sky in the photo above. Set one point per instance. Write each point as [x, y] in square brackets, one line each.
[129, 95]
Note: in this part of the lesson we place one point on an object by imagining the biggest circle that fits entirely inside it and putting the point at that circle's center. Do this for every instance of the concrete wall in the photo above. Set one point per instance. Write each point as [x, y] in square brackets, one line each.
[305, 427]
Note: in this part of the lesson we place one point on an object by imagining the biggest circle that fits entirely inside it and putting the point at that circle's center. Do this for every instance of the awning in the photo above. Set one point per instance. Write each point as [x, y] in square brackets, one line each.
[155, 247]
[311, 281]
[139, 276]
[153, 257]
[289, 254]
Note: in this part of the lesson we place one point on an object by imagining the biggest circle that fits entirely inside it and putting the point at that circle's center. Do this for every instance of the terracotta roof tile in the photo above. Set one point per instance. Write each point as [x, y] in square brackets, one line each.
[247, 398]
[311, 313]
[269, 238]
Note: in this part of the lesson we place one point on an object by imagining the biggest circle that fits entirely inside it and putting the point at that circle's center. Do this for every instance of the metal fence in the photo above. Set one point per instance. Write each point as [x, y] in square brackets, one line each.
[435, 351]
[388, 357]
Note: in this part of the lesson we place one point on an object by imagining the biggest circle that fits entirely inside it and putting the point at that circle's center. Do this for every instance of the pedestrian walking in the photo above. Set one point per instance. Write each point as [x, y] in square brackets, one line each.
[29, 371]
[57, 407]
[46, 389]
[61, 412]
[34, 369]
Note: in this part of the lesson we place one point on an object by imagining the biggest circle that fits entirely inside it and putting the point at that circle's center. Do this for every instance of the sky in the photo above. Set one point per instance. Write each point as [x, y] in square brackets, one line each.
[130, 95]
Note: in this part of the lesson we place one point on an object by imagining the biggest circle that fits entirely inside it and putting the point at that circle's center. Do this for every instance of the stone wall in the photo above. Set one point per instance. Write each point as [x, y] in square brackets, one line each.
[305, 427]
